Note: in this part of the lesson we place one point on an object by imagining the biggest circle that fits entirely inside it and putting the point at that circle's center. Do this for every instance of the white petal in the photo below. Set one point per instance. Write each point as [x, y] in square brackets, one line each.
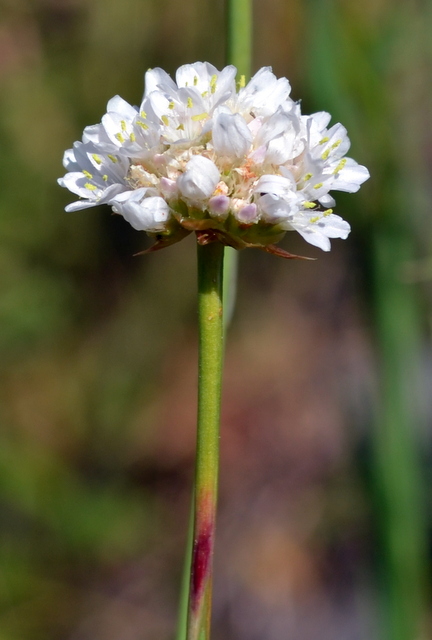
[274, 209]
[334, 226]
[350, 177]
[264, 93]
[316, 239]
[69, 161]
[143, 214]
[321, 119]
[231, 136]
[199, 180]
[225, 84]
[121, 107]
[327, 201]
[195, 75]
[79, 205]
[97, 135]
[158, 79]
[277, 185]
[75, 181]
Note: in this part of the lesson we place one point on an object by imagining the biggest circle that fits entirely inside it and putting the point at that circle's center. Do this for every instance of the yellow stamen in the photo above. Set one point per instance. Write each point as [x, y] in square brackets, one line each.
[189, 103]
[324, 140]
[112, 158]
[105, 177]
[336, 144]
[132, 137]
[90, 187]
[327, 212]
[180, 127]
[309, 205]
[171, 105]
[143, 114]
[123, 125]
[340, 166]
[315, 219]
[143, 125]
[204, 94]
[213, 83]
[119, 137]
[87, 174]
[96, 158]
[325, 154]
[165, 120]
[318, 186]
[195, 81]
[200, 116]
[308, 176]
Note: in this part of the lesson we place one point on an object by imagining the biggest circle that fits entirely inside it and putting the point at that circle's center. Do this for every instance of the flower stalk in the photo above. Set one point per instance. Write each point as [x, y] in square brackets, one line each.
[239, 35]
[210, 314]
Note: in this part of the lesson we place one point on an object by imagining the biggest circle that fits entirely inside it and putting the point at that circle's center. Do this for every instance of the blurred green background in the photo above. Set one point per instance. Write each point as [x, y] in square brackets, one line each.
[325, 506]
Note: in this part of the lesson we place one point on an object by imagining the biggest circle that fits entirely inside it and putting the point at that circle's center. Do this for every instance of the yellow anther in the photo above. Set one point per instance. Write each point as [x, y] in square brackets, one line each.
[315, 219]
[318, 186]
[105, 177]
[204, 94]
[213, 83]
[189, 103]
[132, 137]
[195, 81]
[327, 212]
[308, 176]
[340, 166]
[96, 158]
[241, 82]
[336, 144]
[143, 114]
[90, 187]
[171, 105]
[309, 205]
[180, 127]
[165, 120]
[87, 174]
[119, 137]
[123, 125]
[143, 125]
[325, 154]
[200, 116]
[112, 158]
[324, 140]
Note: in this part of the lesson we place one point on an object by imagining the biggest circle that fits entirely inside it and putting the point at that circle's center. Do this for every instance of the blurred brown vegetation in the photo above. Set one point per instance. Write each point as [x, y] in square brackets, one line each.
[98, 348]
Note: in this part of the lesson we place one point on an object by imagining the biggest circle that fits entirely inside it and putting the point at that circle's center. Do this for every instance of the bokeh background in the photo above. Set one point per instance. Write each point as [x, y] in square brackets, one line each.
[325, 505]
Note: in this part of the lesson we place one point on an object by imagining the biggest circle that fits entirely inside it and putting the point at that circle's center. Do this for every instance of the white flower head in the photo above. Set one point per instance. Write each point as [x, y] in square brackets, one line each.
[205, 154]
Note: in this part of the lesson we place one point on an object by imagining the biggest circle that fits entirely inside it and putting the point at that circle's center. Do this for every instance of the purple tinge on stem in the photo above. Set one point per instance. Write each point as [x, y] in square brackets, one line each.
[201, 562]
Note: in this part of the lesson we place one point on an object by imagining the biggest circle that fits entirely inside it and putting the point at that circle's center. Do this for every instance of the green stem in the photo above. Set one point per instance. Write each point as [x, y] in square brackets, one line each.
[210, 313]
[239, 53]
[239, 32]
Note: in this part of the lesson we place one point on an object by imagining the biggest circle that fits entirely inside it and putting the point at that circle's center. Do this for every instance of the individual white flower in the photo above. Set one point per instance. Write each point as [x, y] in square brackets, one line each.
[238, 163]
[198, 181]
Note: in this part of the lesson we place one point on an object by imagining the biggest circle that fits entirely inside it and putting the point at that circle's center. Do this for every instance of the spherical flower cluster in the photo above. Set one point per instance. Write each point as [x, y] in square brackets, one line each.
[233, 162]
